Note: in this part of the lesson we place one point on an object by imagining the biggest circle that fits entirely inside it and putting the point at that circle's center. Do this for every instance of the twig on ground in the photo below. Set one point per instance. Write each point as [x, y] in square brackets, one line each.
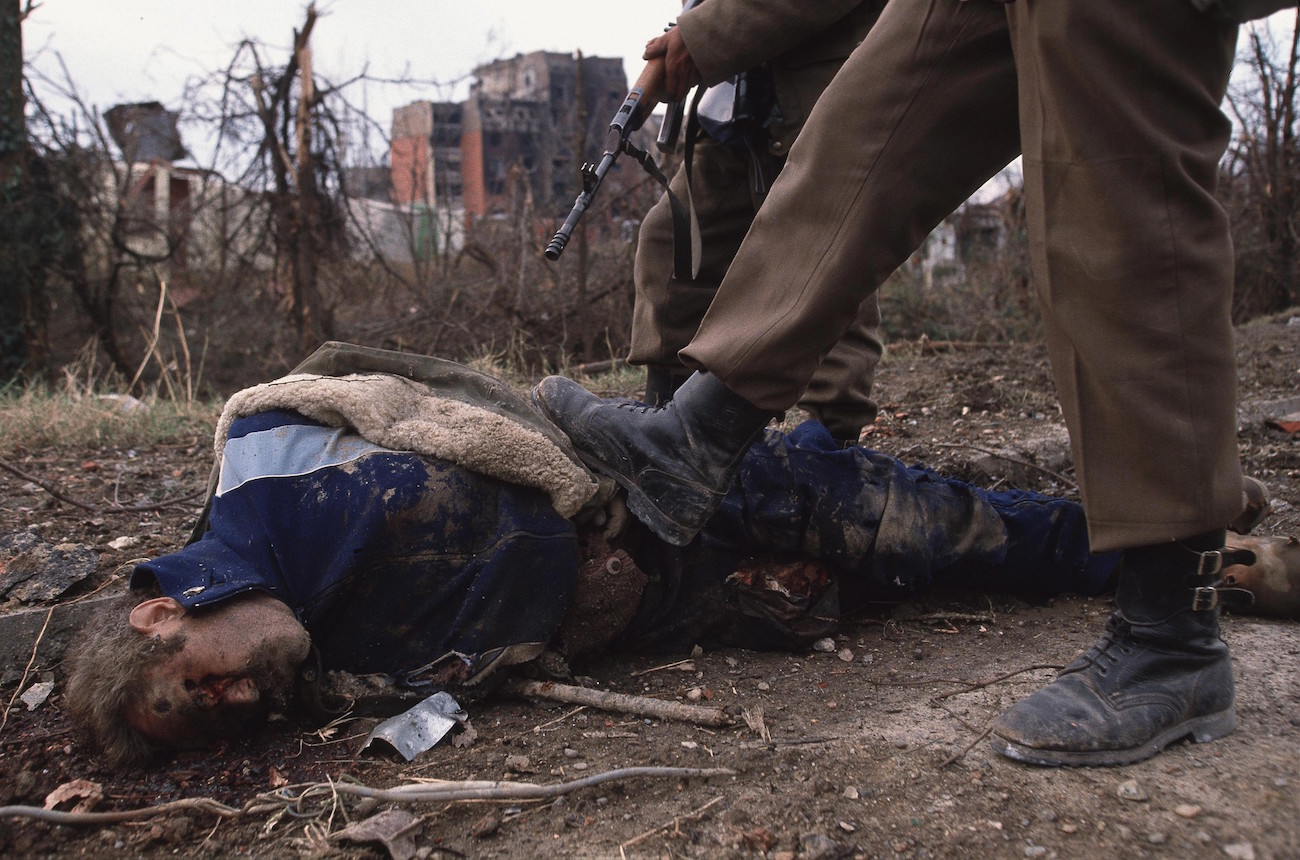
[961, 752]
[422, 792]
[772, 743]
[972, 686]
[673, 665]
[1028, 465]
[96, 509]
[947, 616]
[677, 819]
[26, 669]
[559, 719]
[621, 702]
[55, 816]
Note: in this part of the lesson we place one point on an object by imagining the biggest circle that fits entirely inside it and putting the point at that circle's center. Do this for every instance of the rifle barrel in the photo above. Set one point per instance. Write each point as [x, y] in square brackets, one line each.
[626, 120]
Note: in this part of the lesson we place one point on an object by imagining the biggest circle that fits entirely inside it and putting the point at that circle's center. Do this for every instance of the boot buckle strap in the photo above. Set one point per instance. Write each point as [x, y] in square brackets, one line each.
[1210, 564]
[1209, 597]
[1204, 597]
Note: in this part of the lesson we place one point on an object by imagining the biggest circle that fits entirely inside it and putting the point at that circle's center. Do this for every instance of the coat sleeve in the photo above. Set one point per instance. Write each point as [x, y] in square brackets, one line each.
[726, 37]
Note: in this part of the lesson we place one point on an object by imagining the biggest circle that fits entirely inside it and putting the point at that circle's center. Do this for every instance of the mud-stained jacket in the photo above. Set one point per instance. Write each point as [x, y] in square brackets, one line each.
[394, 563]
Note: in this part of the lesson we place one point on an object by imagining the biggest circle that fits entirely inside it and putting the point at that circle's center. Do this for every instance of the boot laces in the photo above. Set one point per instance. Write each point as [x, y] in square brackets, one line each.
[637, 406]
[1110, 648]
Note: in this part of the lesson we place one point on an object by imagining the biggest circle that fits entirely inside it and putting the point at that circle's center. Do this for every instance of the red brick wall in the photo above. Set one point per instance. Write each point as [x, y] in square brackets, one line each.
[473, 190]
[409, 159]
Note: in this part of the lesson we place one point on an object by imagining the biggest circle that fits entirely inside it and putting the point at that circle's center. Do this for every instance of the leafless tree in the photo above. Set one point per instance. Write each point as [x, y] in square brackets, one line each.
[277, 138]
[1261, 173]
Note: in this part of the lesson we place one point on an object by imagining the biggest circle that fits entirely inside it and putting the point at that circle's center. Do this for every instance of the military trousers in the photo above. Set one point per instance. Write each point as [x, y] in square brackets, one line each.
[668, 309]
[1115, 108]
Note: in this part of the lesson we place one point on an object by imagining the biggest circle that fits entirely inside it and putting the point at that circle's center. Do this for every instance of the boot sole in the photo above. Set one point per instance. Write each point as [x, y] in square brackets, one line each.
[1200, 730]
[641, 506]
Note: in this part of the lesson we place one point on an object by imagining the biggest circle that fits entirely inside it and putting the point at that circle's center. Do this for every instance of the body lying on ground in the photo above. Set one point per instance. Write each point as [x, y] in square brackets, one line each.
[328, 544]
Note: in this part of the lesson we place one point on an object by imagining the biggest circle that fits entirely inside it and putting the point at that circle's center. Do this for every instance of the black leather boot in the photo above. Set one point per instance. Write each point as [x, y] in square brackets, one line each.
[1158, 674]
[675, 461]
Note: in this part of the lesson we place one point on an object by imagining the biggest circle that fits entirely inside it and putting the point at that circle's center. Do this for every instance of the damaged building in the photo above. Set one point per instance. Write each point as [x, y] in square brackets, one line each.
[516, 134]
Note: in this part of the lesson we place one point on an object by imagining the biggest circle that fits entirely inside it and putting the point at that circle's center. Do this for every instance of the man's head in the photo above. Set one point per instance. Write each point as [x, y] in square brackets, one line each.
[169, 679]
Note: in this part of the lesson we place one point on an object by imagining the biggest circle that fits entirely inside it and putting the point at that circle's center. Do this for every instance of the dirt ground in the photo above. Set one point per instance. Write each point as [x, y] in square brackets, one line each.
[871, 749]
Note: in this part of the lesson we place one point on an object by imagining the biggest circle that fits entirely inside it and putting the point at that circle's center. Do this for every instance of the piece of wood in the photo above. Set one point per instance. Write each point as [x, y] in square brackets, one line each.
[641, 706]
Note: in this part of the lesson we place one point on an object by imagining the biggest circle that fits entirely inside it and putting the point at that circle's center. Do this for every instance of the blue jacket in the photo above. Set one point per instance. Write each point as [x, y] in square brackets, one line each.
[393, 562]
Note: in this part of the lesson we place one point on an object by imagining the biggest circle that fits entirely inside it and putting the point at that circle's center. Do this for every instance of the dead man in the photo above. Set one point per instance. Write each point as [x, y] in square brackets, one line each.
[378, 513]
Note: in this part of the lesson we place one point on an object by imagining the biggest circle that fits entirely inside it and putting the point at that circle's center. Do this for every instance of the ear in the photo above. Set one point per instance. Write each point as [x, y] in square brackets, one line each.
[153, 617]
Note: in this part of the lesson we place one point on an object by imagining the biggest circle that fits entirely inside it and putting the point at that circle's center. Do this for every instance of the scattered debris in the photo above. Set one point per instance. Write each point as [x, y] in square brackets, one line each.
[418, 729]
[754, 720]
[87, 795]
[39, 571]
[486, 826]
[1286, 423]
[519, 764]
[36, 694]
[1240, 850]
[1130, 790]
[391, 828]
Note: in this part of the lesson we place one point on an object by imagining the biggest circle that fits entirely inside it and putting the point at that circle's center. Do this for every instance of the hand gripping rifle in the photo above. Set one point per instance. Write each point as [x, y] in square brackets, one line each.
[627, 119]
[674, 112]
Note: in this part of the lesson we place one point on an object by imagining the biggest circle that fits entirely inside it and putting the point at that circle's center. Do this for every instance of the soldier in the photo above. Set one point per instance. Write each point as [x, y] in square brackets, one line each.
[1115, 109]
[784, 52]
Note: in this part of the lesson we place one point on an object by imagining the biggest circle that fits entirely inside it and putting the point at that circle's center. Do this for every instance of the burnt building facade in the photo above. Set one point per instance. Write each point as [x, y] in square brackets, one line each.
[520, 127]
[425, 154]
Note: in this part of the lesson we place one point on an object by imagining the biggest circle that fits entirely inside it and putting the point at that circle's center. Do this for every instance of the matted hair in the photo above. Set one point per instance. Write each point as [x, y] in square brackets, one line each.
[106, 667]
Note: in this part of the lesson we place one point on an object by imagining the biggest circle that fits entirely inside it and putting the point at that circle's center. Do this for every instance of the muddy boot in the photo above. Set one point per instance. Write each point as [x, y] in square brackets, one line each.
[1158, 674]
[661, 383]
[675, 462]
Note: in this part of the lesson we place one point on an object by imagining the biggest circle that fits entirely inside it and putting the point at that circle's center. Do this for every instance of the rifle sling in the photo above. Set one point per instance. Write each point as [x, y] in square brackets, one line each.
[686, 229]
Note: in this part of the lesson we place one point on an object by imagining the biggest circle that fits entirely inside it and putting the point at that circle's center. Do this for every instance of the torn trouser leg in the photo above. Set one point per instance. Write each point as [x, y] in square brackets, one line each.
[886, 530]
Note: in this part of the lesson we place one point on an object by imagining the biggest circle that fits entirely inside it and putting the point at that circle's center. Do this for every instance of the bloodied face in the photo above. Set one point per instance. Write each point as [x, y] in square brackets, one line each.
[235, 666]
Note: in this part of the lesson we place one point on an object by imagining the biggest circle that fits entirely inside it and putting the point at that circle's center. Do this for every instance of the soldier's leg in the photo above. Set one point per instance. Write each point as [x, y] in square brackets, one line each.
[921, 115]
[1122, 135]
[839, 394]
[667, 309]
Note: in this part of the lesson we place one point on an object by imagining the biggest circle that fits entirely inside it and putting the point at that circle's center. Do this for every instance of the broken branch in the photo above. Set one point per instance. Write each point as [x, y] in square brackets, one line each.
[55, 816]
[621, 702]
[420, 792]
[677, 819]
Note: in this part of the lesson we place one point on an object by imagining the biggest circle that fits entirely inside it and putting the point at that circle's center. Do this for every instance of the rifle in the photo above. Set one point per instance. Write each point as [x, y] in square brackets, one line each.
[627, 119]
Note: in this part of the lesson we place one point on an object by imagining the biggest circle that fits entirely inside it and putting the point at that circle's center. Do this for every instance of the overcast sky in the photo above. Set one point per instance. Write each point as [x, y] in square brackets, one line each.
[144, 50]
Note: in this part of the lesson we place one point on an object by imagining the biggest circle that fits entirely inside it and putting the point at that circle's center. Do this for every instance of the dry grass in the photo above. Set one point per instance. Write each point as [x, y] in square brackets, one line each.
[36, 419]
